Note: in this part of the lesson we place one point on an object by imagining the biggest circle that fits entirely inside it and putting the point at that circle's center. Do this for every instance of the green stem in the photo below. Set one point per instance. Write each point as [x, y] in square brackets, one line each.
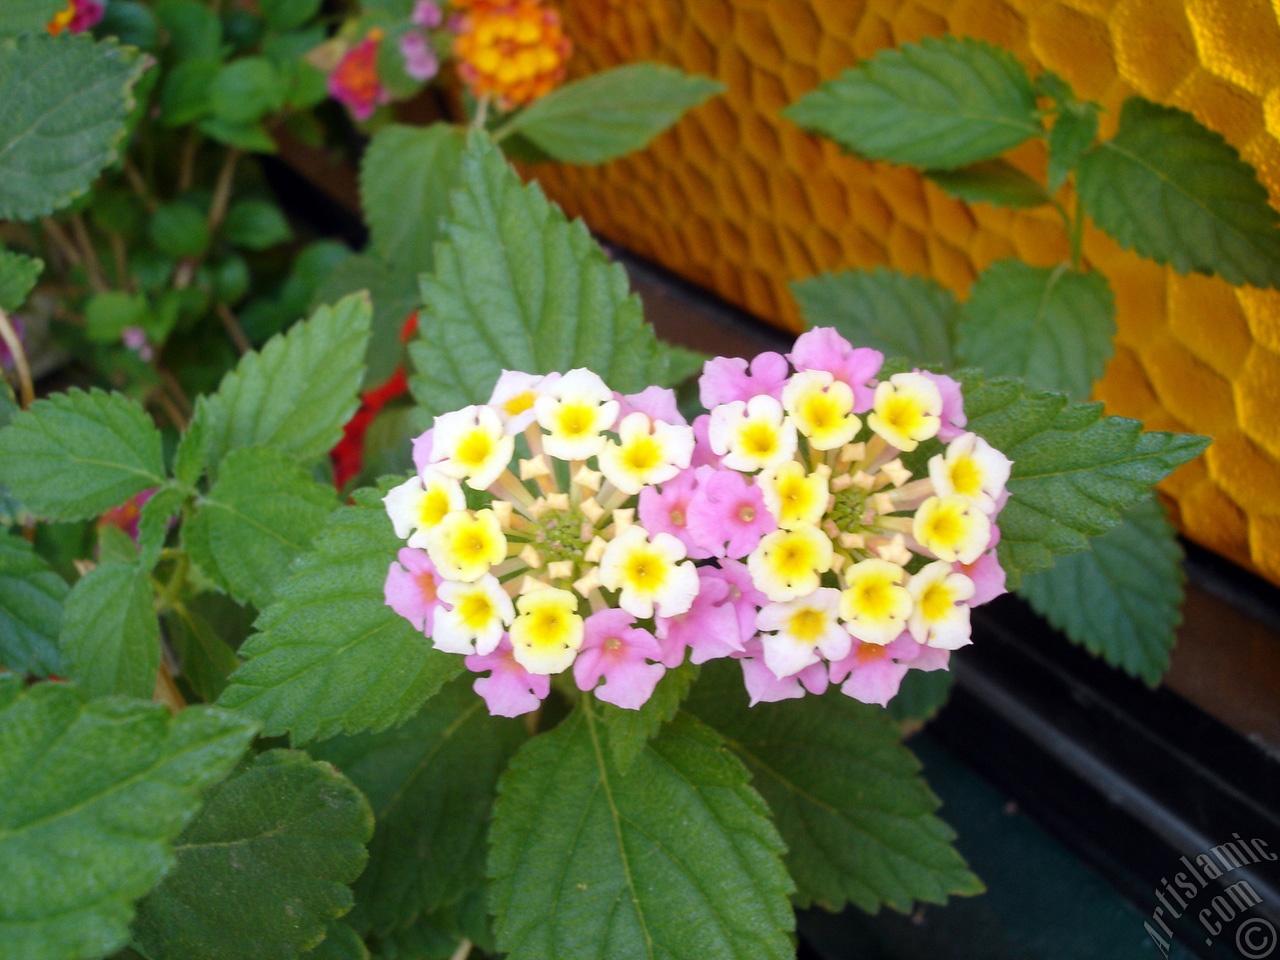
[168, 597]
[1077, 235]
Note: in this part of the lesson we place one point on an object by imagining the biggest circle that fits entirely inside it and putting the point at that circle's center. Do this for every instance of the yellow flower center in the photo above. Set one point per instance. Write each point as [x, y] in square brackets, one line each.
[902, 414]
[475, 449]
[432, 508]
[936, 601]
[476, 610]
[807, 624]
[794, 558]
[874, 597]
[643, 453]
[966, 478]
[576, 419]
[759, 439]
[820, 411]
[646, 570]
[944, 526]
[518, 404]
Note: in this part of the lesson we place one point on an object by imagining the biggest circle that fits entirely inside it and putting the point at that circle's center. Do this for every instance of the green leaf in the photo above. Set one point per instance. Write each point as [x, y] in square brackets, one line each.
[245, 90]
[340, 943]
[1072, 135]
[406, 177]
[297, 392]
[393, 290]
[153, 523]
[555, 305]
[676, 860]
[1177, 193]
[263, 867]
[252, 137]
[942, 103]
[27, 16]
[1075, 471]
[609, 114]
[18, 276]
[75, 454]
[285, 15]
[899, 315]
[132, 23]
[189, 456]
[848, 798]
[922, 694]
[107, 314]
[431, 782]
[256, 225]
[1122, 600]
[630, 730]
[331, 657]
[66, 102]
[194, 30]
[110, 636]
[93, 794]
[184, 94]
[427, 939]
[116, 545]
[256, 520]
[1050, 326]
[179, 229]
[991, 181]
[207, 660]
[31, 599]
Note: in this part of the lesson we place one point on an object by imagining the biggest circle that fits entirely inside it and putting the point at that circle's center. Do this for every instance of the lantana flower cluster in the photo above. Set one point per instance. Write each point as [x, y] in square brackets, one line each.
[563, 528]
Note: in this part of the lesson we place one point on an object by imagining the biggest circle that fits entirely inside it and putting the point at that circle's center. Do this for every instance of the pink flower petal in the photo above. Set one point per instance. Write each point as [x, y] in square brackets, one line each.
[510, 690]
[822, 348]
[725, 379]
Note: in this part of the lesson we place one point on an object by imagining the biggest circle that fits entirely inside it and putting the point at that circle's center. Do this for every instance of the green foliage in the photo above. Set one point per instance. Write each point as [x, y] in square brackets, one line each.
[1050, 326]
[1178, 193]
[609, 114]
[193, 29]
[297, 392]
[207, 660]
[991, 181]
[1122, 600]
[153, 523]
[340, 943]
[285, 15]
[27, 16]
[857, 817]
[1072, 135]
[630, 730]
[66, 102]
[393, 290]
[258, 517]
[245, 90]
[94, 793]
[31, 598]
[180, 229]
[331, 657]
[431, 782]
[107, 314]
[18, 276]
[899, 315]
[110, 636]
[559, 304]
[921, 696]
[255, 225]
[677, 859]
[1074, 471]
[75, 454]
[184, 93]
[942, 103]
[263, 867]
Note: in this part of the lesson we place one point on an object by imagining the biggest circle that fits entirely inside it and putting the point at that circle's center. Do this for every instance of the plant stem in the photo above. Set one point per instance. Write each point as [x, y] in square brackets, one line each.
[9, 335]
[222, 190]
[120, 254]
[175, 390]
[482, 113]
[463, 951]
[167, 691]
[1077, 235]
[139, 186]
[58, 238]
[233, 328]
[187, 167]
[92, 265]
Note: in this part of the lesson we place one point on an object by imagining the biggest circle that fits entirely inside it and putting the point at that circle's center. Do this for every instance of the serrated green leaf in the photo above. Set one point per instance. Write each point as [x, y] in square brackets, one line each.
[153, 524]
[431, 782]
[116, 545]
[1075, 471]
[676, 860]
[189, 457]
[330, 656]
[393, 290]
[18, 276]
[263, 867]
[297, 392]
[991, 181]
[91, 795]
[427, 939]
[922, 694]
[900, 315]
[27, 16]
[630, 730]
[406, 177]
[1053, 327]
[942, 103]
[611, 113]
[1072, 135]
[31, 599]
[1177, 193]
[64, 112]
[110, 635]
[1122, 600]
[255, 521]
[75, 454]
[207, 660]
[340, 943]
[847, 796]
[518, 286]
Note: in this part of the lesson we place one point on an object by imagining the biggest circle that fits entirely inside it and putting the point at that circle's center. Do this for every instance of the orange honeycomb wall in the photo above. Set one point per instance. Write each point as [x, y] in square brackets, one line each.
[739, 200]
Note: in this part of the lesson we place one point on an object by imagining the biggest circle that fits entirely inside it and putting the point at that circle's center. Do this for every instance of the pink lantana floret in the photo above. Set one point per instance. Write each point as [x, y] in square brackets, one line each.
[725, 379]
[510, 690]
[615, 649]
[822, 348]
[763, 686]
[727, 515]
[656, 403]
[953, 416]
[410, 588]
[710, 627]
[873, 673]
[665, 509]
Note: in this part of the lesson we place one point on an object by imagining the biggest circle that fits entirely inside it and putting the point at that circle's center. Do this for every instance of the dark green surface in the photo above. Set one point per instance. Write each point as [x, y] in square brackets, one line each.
[1041, 902]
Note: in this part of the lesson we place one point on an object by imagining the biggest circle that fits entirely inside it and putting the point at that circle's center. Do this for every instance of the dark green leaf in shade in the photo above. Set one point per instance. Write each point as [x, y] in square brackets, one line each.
[393, 290]
[256, 225]
[31, 599]
[110, 635]
[245, 90]
[18, 276]
[922, 694]
[27, 16]
[206, 658]
[179, 229]
[339, 943]
[154, 522]
[193, 29]
[996, 182]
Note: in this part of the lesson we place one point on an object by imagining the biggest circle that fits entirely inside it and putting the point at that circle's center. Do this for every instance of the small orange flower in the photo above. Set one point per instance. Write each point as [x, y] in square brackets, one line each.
[513, 51]
[355, 81]
[77, 16]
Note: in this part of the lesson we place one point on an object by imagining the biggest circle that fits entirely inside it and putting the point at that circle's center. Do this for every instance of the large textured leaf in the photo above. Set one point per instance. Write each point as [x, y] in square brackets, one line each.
[611, 113]
[62, 117]
[340, 943]
[91, 795]
[31, 598]
[27, 16]
[1178, 193]
[1122, 600]
[110, 635]
[516, 285]
[630, 730]
[75, 454]
[255, 521]
[263, 868]
[1075, 471]
[996, 182]
[848, 798]
[942, 103]
[1050, 326]
[899, 315]
[297, 392]
[405, 180]
[331, 657]
[677, 860]
[431, 782]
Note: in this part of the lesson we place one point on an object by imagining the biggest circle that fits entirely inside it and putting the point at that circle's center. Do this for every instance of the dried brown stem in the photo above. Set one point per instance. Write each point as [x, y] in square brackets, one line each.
[27, 390]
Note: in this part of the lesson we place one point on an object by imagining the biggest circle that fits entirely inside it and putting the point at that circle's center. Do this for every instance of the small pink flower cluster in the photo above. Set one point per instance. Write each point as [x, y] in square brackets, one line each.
[781, 529]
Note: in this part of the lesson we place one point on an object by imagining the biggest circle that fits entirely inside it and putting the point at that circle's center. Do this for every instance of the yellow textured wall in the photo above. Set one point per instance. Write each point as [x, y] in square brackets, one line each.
[739, 200]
